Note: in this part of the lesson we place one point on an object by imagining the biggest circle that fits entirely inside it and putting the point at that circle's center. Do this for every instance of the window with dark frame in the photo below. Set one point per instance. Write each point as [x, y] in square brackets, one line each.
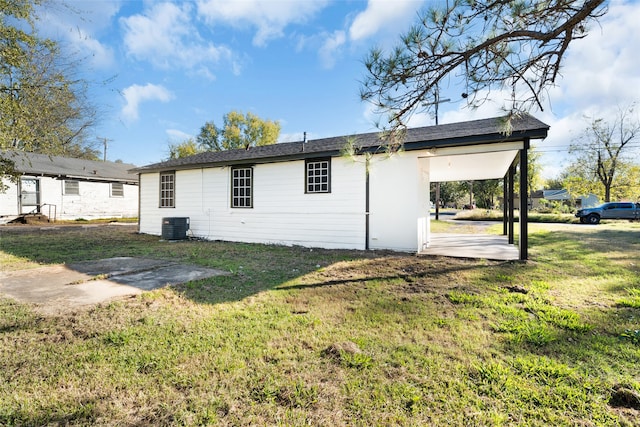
[71, 188]
[117, 189]
[241, 187]
[318, 176]
[167, 189]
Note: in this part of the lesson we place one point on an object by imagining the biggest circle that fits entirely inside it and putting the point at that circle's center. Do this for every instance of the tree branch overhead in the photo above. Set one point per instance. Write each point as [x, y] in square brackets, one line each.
[483, 46]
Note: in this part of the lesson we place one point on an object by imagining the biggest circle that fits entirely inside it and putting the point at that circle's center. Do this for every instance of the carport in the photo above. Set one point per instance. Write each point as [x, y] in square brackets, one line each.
[482, 156]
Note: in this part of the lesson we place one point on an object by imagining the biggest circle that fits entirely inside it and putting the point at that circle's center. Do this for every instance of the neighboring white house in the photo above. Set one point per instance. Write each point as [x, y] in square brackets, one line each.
[67, 188]
[311, 194]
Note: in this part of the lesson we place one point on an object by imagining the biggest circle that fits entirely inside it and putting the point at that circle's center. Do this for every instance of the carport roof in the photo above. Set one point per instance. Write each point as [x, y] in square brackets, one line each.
[475, 132]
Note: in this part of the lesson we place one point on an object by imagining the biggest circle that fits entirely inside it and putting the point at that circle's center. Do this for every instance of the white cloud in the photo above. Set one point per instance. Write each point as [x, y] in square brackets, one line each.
[78, 28]
[381, 18]
[165, 36]
[486, 109]
[330, 48]
[601, 70]
[600, 74]
[269, 18]
[384, 15]
[292, 137]
[176, 135]
[554, 149]
[101, 55]
[134, 95]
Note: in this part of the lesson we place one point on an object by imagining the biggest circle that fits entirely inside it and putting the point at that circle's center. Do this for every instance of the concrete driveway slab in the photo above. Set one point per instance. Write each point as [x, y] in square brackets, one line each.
[61, 287]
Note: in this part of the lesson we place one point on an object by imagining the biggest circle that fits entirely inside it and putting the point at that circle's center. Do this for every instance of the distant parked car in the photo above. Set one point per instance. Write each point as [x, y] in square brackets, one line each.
[611, 210]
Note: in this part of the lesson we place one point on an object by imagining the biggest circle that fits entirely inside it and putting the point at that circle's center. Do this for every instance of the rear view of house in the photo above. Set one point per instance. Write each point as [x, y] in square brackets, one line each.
[68, 188]
[309, 193]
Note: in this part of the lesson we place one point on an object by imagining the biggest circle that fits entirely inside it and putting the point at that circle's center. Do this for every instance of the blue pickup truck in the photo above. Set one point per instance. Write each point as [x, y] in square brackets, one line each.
[611, 210]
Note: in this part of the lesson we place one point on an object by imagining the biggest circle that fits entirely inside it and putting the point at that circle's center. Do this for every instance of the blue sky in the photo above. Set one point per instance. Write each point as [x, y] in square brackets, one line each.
[162, 69]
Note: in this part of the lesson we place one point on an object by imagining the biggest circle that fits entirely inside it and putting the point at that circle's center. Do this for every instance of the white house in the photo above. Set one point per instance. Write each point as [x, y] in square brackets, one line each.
[67, 188]
[311, 194]
[562, 195]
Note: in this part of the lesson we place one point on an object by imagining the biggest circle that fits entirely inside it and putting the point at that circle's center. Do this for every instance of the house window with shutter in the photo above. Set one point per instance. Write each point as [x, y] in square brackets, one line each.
[167, 189]
[242, 187]
[318, 176]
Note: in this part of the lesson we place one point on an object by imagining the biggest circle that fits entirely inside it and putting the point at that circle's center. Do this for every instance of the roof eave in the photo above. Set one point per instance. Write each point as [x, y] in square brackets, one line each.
[408, 146]
[261, 160]
[478, 139]
[538, 130]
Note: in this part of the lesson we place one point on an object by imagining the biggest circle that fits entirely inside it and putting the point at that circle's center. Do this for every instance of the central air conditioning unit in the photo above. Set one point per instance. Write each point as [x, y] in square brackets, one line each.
[175, 228]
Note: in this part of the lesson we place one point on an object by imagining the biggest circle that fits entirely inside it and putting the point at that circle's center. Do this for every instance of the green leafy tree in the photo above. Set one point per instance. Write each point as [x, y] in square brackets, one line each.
[579, 181]
[209, 137]
[238, 131]
[534, 173]
[43, 107]
[184, 149]
[556, 183]
[486, 192]
[450, 192]
[605, 154]
[517, 46]
[628, 183]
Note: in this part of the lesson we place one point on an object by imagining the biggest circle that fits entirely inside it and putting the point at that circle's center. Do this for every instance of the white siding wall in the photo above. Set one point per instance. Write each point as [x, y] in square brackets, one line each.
[51, 193]
[399, 196]
[282, 213]
[9, 199]
[94, 200]
[150, 221]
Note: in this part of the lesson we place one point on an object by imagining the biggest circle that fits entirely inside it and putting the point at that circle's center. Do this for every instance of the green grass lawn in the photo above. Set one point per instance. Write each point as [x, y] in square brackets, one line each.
[295, 336]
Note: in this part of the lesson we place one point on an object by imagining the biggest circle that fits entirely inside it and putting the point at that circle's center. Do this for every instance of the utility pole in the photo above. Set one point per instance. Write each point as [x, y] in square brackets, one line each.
[435, 103]
[105, 142]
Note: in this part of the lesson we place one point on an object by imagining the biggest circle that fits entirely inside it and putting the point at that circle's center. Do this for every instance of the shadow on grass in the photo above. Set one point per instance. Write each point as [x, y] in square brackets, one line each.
[440, 270]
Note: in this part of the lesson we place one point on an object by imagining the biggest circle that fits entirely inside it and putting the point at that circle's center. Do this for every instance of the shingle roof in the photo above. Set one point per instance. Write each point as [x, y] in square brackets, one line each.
[66, 167]
[484, 131]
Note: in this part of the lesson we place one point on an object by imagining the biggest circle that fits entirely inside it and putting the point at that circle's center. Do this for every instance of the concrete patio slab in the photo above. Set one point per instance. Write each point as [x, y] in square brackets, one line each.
[116, 266]
[56, 288]
[485, 246]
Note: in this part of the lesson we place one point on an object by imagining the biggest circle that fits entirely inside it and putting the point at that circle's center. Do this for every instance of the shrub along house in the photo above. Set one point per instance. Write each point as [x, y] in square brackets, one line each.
[68, 188]
[310, 194]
